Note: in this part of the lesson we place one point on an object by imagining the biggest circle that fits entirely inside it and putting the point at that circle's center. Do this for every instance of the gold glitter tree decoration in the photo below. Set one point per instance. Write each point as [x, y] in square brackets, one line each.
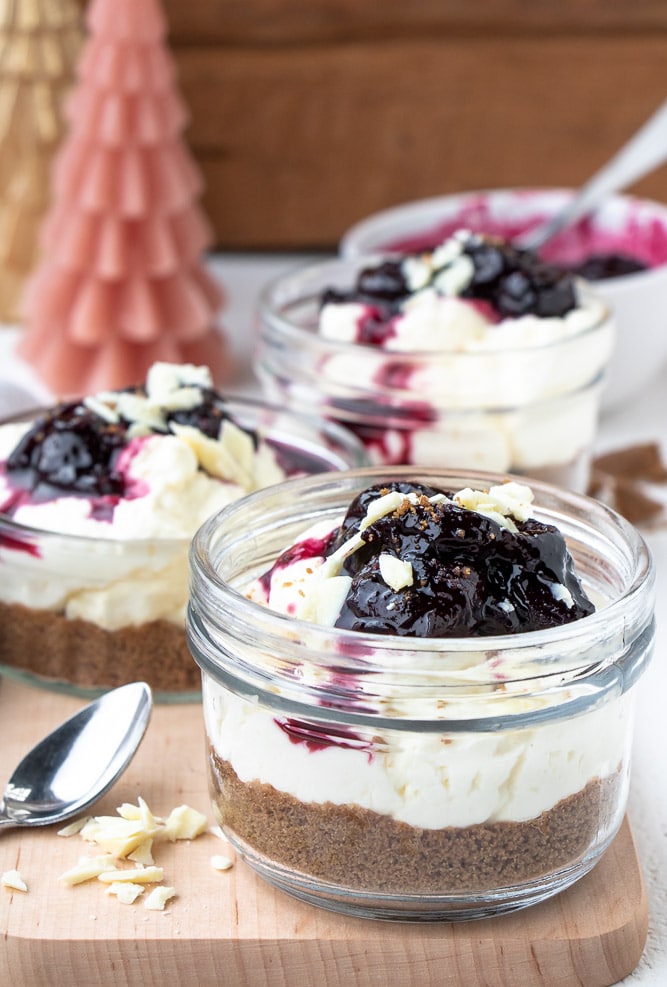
[39, 46]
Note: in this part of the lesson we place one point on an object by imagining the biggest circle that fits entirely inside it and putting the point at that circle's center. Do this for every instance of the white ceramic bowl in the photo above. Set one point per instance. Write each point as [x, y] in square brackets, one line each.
[627, 225]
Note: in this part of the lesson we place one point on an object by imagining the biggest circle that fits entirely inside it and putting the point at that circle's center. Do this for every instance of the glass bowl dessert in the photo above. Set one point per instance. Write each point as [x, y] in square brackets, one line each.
[418, 686]
[621, 247]
[471, 356]
[99, 499]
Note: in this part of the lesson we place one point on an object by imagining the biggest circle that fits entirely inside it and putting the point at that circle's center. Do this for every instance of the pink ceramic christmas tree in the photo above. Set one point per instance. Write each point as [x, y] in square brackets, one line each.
[122, 282]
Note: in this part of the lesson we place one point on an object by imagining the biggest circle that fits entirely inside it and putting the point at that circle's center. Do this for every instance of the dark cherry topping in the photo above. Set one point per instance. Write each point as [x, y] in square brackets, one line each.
[207, 416]
[598, 267]
[71, 448]
[516, 282]
[385, 285]
[358, 509]
[471, 576]
[510, 281]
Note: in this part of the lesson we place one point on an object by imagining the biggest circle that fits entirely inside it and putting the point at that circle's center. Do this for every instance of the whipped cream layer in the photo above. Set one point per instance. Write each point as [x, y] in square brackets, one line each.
[437, 778]
[119, 560]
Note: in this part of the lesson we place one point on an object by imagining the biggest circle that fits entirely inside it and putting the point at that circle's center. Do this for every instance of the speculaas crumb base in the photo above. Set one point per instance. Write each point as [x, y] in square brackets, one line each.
[354, 847]
[78, 653]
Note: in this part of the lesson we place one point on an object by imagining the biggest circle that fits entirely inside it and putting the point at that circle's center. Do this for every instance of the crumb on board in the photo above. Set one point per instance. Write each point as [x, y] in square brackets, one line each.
[221, 861]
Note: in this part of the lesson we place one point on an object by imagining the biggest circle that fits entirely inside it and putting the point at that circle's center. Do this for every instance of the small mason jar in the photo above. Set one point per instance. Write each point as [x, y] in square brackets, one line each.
[83, 614]
[531, 410]
[407, 778]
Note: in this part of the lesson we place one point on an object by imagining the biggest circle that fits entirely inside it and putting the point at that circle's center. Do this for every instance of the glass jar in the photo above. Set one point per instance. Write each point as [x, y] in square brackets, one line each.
[409, 778]
[83, 614]
[530, 411]
[621, 226]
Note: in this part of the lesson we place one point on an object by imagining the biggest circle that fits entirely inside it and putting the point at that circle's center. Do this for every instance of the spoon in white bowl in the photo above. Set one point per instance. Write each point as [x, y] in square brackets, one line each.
[646, 150]
[77, 763]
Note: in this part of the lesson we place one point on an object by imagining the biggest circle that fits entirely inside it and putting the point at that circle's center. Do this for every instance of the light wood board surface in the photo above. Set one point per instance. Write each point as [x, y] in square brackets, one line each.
[231, 928]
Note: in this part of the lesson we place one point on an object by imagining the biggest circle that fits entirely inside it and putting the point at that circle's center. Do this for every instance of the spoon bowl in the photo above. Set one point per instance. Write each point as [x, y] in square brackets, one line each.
[79, 761]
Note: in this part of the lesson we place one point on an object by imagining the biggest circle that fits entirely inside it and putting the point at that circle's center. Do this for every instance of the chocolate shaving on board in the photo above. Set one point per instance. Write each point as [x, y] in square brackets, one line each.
[633, 481]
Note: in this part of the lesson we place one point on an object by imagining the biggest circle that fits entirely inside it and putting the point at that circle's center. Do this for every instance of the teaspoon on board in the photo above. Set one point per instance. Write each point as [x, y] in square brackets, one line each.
[76, 764]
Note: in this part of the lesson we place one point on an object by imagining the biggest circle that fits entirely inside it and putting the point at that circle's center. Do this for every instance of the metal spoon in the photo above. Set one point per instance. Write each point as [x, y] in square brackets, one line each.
[641, 154]
[77, 763]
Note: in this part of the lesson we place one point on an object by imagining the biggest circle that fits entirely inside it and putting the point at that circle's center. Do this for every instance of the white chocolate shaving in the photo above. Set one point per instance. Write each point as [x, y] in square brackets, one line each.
[158, 898]
[505, 503]
[455, 278]
[88, 868]
[126, 891]
[74, 827]
[221, 862]
[396, 573]
[138, 875]
[184, 823]
[12, 879]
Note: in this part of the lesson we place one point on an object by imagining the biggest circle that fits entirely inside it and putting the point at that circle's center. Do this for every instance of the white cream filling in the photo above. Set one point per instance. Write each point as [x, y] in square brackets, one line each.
[426, 780]
[483, 380]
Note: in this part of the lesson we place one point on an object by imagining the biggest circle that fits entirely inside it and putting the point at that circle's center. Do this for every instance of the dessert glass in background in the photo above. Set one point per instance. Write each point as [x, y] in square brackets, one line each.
[623, 226]
[87, 611]
[522, 400]
[416, 778]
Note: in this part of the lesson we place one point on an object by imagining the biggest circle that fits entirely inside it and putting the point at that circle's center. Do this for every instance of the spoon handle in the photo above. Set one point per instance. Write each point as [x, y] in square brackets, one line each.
[646, 150]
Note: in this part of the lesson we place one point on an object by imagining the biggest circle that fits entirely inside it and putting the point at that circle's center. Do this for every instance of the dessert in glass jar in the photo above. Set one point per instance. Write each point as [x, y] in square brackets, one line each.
[99, 499]
[621, 247]
[418, 686]
[474, 355]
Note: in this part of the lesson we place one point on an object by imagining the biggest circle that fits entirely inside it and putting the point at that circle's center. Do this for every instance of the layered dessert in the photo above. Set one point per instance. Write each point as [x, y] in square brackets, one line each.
[453, 771]
[473, 355]
[99, 499]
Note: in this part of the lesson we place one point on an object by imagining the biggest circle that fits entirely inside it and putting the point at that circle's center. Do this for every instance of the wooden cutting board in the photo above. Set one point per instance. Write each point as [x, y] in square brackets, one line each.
[231, 928]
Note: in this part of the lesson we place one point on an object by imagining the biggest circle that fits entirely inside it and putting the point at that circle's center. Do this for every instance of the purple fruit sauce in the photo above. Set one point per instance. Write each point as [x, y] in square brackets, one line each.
[316, 738]
[585, 248]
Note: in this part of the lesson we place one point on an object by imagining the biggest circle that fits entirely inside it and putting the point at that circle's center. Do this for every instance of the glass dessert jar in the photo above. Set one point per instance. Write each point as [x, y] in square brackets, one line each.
[523, 400]
[621, 246]
[416, 778]
[87, 611]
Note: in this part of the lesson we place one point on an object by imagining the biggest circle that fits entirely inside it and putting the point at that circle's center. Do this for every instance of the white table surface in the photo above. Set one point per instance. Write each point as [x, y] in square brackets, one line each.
[644, 418]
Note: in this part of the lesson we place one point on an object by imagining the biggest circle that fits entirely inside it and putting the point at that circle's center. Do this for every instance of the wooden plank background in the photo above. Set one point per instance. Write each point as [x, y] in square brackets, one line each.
[309, 114]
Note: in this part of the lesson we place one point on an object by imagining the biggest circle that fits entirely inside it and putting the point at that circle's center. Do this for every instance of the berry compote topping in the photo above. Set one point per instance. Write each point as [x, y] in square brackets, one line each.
[74, 447]
[471, 575]
[207, 416]
[508, 281]
[598, 267]
[517, 282]
[70, 448]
